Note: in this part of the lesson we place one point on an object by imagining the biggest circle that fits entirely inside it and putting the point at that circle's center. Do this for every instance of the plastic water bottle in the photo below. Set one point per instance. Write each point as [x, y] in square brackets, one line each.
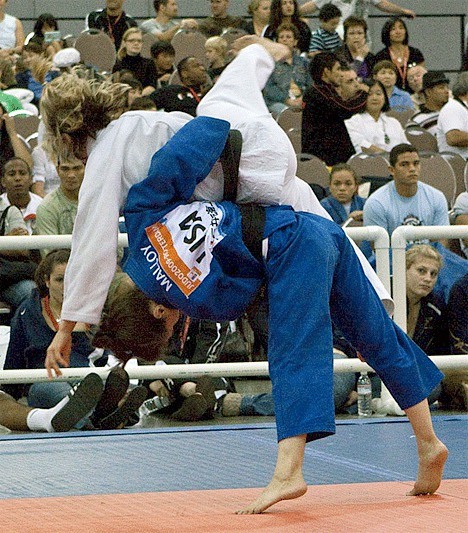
[364, 390]
[156, 403]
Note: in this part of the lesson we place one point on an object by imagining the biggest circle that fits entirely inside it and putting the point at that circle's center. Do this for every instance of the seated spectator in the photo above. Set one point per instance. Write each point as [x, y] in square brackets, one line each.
[129, 58]
[344, 202]
[46, 23]
[386, 73]
[11, 34]
[324, 132]
[371, 131]
[34, 70]
[452, 124]
[143, 103]
[7, 75]
[185, 97]
[112, 20]
[216, 54]
[395, 39]
[163, 26]
[10, 144]
[291, 78]
[17, 180]
[460, 215]
[259, 10]
[57, 212]
[355, 50]
[45, 177]
[16, 270]
[326, 38]
[163, 55]
[65, 59]
[455, 386]
[405, 200]
[435, 87]
[219, 19]
[415, 85]
[288, 11]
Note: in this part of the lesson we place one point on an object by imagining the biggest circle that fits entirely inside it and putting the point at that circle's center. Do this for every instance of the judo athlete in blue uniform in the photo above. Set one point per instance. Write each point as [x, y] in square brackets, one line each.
[191, 256]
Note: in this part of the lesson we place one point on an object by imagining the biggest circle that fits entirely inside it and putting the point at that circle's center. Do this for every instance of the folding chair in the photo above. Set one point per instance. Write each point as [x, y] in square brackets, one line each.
[26, 125]
[421, 139]
[189, 43]
[295, 136]
[459, 165]
[438, 173]
[148, 40]
[231, 34]
[312, 169]
[96, 49]
[290, 118]
[369, 165]
[403, 117]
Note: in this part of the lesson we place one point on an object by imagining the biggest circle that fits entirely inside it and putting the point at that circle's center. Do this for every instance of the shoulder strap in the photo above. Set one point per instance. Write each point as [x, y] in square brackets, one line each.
[3, 220]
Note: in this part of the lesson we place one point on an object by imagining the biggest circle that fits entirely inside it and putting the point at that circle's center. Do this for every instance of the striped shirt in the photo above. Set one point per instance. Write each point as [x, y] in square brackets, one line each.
[323, 41]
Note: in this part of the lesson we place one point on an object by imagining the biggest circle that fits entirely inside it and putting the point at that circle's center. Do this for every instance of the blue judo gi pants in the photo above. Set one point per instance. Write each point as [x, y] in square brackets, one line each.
[313, 275]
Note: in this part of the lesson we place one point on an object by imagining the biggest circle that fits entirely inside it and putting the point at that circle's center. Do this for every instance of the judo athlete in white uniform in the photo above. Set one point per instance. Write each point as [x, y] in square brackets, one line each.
[119, 154]
[190, 256]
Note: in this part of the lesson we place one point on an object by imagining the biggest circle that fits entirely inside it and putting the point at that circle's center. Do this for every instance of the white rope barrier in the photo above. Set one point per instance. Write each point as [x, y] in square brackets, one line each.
[452, 363]
[38, 242]
[399, 240]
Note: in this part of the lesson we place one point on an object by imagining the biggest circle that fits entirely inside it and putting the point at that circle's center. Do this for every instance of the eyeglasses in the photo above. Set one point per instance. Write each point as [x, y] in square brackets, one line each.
[134, 41]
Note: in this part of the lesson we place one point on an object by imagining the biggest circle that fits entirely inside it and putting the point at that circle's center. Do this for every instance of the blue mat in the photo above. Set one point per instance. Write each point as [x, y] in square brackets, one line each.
[212, 457]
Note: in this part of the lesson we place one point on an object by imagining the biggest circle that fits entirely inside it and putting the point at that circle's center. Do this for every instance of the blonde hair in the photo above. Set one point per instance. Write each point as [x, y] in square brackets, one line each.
[122, 52]
[423, 250]
[40, 66]
[217, 43]
[80, 107]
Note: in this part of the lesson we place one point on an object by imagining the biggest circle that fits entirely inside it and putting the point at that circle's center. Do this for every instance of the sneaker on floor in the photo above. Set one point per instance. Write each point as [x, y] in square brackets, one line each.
[130, 405]
[81, 401]
[115, 388]
[192, 409]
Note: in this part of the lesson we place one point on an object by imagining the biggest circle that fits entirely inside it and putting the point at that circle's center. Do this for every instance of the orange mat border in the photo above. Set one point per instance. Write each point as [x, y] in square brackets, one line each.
[374, 507]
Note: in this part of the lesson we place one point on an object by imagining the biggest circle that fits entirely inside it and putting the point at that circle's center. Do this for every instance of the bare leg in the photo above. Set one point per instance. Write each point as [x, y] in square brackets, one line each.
[432, 452]
[287, 482]
[13, 415]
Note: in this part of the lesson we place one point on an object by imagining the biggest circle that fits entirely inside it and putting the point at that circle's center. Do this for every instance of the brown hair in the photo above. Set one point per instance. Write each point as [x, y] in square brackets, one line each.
[384, 64]
[46, 267]
[127, 327]
[344, 166]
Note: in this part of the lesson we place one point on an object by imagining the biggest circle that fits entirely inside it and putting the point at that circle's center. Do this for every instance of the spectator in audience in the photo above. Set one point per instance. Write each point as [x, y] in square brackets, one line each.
[415, 85]
[455, 386]
[16, 270]
[356, 8]
[7, 75]
[216, 49]
[349, 83]
[435, 87]
[65, 59]
[57, 212]
[36, 70]
[135, 90]
[186, 96]
[112, 20]
[45, 177]
[460, 215]
[259, 10]
[62, 417]
[386, 72]
[129, 58]
[326, 38]
[344, 202]
[395, 39]
[11, 33]
[143, 103]
[10, 144]
[371, 131]
[163, 55]
[219, 19]
[452, 124]
[355, 50]
[46, 23]
[324, 132]
[290, 78]
[288, 11]
[17, 180]
[405, 200]
[163, 26]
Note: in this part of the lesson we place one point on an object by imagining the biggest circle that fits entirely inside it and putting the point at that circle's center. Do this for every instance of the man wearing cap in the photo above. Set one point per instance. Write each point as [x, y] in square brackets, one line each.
[435, 88]
[452, 124]
[112, 20]
[66, 58]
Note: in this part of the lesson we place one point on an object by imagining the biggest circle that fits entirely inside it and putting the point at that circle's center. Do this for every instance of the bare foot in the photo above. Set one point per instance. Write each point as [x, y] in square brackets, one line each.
[276, 491]
[432, 457]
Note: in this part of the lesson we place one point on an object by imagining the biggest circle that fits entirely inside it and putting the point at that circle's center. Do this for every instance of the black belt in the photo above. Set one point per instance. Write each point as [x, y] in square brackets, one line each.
[253, 215]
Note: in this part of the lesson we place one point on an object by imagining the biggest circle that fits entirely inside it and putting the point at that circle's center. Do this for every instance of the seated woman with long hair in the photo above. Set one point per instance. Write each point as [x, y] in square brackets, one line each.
[372, 131]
